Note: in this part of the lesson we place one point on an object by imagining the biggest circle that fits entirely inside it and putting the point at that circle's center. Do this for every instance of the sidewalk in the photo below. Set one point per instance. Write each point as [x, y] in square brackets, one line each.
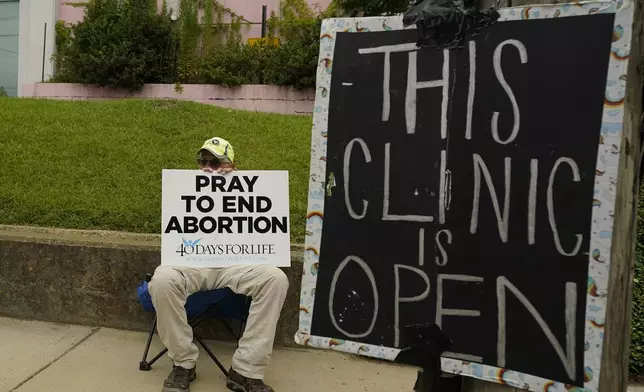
[39, 356]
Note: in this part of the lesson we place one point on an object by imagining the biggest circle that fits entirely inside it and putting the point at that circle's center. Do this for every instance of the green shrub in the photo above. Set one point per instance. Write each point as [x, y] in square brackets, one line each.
[372, 7]
[63, 51]
[120, 43]
[236, 64]
[637, 325]
[295, 61]
[292, 63]
[126, 43]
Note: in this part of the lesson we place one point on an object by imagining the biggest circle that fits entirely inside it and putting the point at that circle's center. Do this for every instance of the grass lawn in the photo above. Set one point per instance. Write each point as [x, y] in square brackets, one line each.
[97, 165]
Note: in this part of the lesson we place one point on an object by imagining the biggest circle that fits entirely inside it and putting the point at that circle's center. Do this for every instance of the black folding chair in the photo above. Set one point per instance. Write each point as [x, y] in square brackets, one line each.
[220, 304]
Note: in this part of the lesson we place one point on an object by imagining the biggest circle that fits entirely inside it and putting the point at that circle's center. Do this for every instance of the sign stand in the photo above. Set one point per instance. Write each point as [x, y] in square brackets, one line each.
[427, 343]
[444, 383]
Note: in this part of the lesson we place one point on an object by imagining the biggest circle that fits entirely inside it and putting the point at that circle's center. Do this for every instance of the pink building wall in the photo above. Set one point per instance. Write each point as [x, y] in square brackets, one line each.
[258, 98]
[251, 10]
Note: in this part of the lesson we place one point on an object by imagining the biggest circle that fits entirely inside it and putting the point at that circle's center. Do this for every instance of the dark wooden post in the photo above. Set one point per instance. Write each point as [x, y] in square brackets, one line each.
[264, 16]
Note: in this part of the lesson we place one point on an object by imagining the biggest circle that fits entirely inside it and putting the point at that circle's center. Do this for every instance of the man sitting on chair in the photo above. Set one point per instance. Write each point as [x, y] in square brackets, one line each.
[171, 286]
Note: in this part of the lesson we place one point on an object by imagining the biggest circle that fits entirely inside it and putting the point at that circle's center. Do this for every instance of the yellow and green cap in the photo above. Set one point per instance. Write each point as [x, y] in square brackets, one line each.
[220, 148]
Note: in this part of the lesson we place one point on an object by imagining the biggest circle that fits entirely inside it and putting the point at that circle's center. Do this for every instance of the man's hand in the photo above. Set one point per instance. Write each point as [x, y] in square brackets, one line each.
[219, 170]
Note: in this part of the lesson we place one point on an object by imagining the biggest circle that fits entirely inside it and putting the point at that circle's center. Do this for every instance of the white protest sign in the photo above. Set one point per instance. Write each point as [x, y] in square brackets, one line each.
[215, 220]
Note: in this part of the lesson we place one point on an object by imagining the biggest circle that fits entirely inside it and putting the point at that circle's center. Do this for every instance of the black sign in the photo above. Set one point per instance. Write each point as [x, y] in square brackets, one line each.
[463, 191]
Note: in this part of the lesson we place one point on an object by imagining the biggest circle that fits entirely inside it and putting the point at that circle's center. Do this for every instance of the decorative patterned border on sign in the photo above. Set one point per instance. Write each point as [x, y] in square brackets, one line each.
[603, 203]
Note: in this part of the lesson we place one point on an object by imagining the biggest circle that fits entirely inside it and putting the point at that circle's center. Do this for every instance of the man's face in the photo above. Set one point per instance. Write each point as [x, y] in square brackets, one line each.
[207, 159]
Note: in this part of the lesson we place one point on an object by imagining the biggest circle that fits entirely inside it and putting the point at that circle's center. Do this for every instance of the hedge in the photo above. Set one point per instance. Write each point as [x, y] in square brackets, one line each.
[128, 43]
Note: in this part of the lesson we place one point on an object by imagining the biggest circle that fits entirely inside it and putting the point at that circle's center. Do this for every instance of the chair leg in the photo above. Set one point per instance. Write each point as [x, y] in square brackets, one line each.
[144, 364]
[201, 315]
[242, 324]
[156, 357]
[210, 353]
[230, 329]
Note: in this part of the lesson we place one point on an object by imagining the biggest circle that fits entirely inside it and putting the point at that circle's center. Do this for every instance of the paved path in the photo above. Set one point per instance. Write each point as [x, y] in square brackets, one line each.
[38, 356]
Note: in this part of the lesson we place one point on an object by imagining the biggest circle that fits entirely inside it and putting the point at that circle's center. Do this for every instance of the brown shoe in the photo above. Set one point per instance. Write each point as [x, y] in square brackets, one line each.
[238, 383]
[179, 380]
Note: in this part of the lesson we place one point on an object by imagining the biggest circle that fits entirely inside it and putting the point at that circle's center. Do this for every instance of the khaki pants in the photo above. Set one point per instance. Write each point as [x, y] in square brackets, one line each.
[170, 287]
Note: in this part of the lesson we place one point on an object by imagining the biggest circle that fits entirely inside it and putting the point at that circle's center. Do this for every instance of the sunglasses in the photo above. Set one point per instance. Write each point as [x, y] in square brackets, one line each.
[208, 162]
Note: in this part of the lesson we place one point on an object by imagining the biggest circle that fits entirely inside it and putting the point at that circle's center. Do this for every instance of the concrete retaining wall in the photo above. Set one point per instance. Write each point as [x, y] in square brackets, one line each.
[90, 278]
[260, 98]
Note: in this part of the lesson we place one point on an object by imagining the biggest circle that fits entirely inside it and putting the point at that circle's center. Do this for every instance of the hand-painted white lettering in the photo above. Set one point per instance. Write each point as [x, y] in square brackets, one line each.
[551, 208]
[523, 53]
[568, 358]
[421, 247]
[398, 299]
[372, 280]
[502, 221]
[345, 174]
[387, 50]
[442, 262]
[408, 47]
[413, 85]
[442, 192]
[532, 200]
[440, 311]
[385, 203]
[386, 95]
[471, 91]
